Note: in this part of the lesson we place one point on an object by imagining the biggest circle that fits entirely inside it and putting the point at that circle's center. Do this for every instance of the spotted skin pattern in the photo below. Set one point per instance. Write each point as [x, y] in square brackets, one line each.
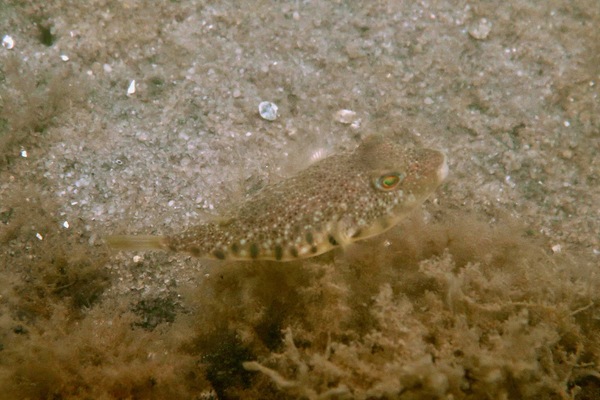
[336, 201]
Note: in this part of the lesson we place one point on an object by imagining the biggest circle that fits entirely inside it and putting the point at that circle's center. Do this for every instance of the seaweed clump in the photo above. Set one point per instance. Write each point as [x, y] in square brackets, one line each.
[455, 308]
[494, 317]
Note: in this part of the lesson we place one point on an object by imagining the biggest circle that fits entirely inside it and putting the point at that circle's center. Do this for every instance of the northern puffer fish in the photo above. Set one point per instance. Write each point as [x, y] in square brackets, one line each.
[338, 200]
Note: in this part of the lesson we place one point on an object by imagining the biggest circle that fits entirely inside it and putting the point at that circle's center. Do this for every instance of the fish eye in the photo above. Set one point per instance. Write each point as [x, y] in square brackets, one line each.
[389, 181]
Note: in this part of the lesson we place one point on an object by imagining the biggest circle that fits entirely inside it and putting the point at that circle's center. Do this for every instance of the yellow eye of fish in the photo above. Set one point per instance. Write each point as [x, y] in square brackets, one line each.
[388, 181]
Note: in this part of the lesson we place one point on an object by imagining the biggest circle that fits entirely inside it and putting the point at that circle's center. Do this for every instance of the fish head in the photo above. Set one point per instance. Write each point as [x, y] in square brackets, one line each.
[395, 171]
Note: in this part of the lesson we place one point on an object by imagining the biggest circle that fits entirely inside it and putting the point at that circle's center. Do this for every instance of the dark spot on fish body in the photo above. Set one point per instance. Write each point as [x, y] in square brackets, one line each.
[294, 251]
[220, 254]
[254, 250]
[278, 252]
[332, 240]
[309, 238]
[235, 248]
[314, 249]
[195, 251]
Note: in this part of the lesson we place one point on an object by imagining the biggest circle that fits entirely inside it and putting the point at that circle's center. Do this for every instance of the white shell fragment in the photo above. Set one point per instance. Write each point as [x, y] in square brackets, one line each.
[557, 248]
[39, 236]
[8, 42]
[64, 57]
[268, 110]
[24, 153]
[318, 154]
[131, 88]
[481, 29]
[65, 224]
[345, 116]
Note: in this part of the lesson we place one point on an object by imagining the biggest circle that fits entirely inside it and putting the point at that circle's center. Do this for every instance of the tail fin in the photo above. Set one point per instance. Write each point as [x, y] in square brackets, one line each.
[137, 242]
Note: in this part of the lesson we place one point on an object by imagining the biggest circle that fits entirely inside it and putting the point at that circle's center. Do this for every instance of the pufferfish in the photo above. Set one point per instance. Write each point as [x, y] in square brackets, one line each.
[336, 201]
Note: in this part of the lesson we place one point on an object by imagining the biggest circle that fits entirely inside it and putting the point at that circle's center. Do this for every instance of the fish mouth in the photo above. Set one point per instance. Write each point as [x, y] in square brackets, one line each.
[443, 171]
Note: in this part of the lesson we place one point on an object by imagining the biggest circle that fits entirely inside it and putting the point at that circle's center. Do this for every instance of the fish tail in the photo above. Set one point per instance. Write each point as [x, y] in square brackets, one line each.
[137, 242]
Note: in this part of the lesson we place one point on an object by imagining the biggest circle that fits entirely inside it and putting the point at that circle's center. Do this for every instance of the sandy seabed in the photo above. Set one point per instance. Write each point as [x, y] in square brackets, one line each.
[491, 290]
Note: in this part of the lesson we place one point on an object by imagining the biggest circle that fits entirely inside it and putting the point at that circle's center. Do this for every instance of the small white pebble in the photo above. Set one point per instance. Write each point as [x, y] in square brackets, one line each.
[236, 93]
[107, 68]
[345, 116]
[556, 248]
[568, 154]
[481, 29]
[268, 110]
[24, 153]
[596, 252]
[39, 236]
[131, 88]
[64, 57]
[8, 42]
[137, 259]
[65, 224]
[567, 124]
